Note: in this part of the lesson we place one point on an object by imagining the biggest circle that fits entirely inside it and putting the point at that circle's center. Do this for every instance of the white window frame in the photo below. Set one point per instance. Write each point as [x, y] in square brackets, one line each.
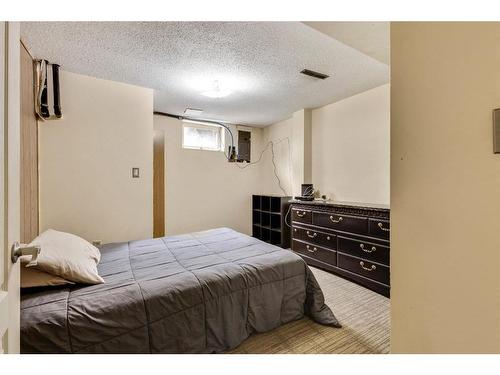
[205, 126]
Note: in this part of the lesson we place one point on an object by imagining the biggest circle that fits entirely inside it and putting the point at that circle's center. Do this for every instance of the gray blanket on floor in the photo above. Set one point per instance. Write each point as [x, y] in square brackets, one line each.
[203, 292]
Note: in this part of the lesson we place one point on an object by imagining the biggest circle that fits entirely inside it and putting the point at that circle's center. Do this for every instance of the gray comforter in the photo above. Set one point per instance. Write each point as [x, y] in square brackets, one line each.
[203, 292]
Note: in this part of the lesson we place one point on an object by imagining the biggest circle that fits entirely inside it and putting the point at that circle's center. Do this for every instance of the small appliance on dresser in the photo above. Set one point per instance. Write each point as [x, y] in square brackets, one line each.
[347, 239]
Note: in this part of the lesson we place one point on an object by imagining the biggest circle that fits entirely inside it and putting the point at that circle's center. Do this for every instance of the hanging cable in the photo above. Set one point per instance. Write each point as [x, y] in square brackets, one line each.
[228, 156]
[286, 216]
[272, 144]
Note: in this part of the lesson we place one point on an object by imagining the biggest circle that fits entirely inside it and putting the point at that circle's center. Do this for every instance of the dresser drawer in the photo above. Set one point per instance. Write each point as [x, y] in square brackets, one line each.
[364, 268]
[315, 237]
[301, 216]
[315, 252]
[345, 223]
[367, 250]
[380, 228]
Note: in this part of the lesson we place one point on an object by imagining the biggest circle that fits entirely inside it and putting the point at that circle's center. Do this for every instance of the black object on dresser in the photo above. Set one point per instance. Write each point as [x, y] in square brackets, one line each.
[268, 219]
[348, 240]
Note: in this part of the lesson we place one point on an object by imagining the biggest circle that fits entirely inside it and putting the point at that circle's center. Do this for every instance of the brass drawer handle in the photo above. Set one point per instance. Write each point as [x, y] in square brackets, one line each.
[301, 214]
[328, 238]
[362, 246]
[311, 235]
[362, 264]
[336, 221]
[381, 226]
[313, 250]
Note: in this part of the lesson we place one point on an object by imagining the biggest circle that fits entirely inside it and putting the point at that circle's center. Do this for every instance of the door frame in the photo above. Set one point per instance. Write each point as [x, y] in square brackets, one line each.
[159, 183]
[9, 184]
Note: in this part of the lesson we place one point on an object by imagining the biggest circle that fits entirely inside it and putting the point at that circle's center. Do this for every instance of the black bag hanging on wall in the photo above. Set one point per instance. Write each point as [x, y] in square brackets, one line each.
[47, 100]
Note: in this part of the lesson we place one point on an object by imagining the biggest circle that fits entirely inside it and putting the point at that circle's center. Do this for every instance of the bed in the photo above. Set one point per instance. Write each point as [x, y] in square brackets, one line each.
[202, 292]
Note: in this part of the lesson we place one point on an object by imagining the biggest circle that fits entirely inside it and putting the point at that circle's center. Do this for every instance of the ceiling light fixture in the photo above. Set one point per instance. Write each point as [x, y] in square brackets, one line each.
[217, 91]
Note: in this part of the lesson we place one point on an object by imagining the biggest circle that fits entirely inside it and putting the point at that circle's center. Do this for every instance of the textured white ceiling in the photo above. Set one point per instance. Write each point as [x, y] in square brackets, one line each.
[258, 61]
[371, 38]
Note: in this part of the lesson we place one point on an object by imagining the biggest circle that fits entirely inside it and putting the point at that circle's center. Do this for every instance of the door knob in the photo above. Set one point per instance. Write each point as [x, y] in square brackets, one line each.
[19, 250]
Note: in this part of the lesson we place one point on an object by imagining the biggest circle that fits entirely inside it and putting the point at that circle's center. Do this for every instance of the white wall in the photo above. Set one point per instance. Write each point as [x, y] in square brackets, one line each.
[342, 148]
[292, 152]
[86, 160]
[445, 188]
[107, 129]
[351, 148]
[204, 190]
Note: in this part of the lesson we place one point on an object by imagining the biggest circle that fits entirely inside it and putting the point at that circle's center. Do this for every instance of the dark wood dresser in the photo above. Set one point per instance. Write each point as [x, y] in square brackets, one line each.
[347, 239]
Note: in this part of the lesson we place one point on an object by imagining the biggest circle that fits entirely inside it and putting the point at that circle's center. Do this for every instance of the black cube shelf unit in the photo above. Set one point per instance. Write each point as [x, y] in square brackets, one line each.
[268, 219]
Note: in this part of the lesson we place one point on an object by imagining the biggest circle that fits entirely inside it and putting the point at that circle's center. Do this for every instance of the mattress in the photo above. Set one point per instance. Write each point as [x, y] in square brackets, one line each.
[201, 292]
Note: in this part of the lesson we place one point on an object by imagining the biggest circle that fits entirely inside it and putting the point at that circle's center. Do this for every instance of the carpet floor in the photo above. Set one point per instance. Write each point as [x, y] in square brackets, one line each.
[364, 315]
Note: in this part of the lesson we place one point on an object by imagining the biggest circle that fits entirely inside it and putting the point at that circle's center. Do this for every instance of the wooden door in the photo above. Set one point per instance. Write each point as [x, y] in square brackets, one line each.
[29, 151]
[9, 184]
[159, 184]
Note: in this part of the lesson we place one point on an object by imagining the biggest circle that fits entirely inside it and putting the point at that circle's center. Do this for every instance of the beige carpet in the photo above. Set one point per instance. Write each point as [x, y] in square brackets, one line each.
[364, 315]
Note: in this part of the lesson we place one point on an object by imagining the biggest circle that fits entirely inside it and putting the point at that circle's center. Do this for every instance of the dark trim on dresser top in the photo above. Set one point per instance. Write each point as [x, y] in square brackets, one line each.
[373, 210]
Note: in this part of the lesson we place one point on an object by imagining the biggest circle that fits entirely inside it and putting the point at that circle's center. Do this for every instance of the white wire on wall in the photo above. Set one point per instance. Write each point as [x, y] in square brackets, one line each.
[259, 159]
[246, 165]
[270, 143]
[275, 171]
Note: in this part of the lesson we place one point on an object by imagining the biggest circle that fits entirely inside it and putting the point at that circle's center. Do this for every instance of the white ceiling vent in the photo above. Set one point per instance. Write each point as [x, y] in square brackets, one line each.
[193, 112]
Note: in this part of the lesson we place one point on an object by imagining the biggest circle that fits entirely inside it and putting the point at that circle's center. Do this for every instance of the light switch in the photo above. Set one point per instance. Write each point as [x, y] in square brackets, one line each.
[135, 172]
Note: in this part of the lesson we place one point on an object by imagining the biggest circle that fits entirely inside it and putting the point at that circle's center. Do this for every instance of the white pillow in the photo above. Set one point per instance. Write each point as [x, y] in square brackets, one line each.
[68, 256]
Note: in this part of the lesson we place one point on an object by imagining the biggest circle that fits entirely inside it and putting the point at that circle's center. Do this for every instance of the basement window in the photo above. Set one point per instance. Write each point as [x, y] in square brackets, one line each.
[202, 137]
